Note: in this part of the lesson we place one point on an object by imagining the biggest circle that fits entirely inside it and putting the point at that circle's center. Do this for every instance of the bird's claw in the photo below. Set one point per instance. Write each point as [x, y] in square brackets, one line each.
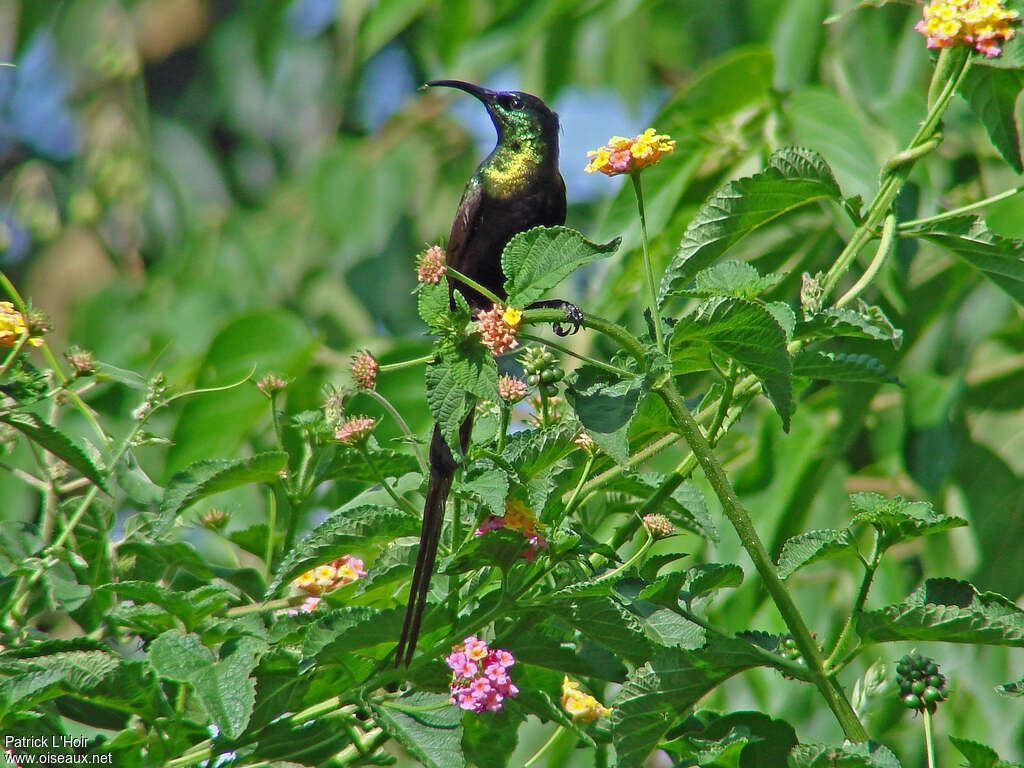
[573, 316]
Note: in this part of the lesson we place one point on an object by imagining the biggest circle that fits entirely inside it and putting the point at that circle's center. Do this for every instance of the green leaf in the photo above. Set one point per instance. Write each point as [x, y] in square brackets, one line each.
[727, 84]
[489, 742]
[813, 546]
[608, 624]
[273, 340]
[661, 692]
[345, 529]
[840, 366]
[426, 725]
[487, 483]
[831, 322]
[351, 465]
[54, 441]
[540, 258]
[748, 333]
[949, 611]
[737, 279]
[459, 374]
[353, 628]
[898, 519]
[1000, 259]
[191, 607]
[747, 739]
[862, 755]
[993, 95]
[224, 687]
[500, 548]
[980, 755]
[794, 177]
[433, 304]
[209, 476]
[605, 404]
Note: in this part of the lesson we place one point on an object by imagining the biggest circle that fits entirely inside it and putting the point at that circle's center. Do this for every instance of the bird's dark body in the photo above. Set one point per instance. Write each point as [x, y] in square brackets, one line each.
[517, 187]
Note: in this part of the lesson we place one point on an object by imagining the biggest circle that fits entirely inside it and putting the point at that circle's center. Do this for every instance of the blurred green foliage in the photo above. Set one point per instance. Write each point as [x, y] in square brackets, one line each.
[203, 187]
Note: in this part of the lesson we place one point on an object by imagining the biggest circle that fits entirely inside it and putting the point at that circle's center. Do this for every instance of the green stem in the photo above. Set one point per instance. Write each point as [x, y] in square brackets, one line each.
[929, 739]
[543, 406]
[406, 363]
[556, 737]
[403, 503]
[506, 417]
[744, 527]
[954, 212]
[566, 351]
[269, 605]
[886, 244]
[615, 332]
[271, 526]
[490, 295]
[648, 267]
[574, 499]
[15, 351]
[402, 423]
[850, 626]
[896, 170]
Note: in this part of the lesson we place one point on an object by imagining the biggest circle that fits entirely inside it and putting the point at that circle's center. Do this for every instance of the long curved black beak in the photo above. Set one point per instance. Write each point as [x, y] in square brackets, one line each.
[483, 94]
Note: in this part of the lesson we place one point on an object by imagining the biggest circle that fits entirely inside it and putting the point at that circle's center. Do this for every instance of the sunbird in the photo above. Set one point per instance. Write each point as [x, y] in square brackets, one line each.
[516, 187]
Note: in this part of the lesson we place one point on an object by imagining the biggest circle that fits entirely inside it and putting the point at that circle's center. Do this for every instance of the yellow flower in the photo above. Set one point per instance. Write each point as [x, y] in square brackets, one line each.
[581, 706]
[12, 326]
[622, 155]
[498, 327]
[519, 517]
[978, 23]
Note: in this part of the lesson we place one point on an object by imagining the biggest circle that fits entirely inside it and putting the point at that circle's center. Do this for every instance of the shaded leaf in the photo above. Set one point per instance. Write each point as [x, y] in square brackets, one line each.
[426, 725]
[605, 404]
[993, 94]
[831, 322]
[54, 441]
[813, 546]
[862, 755]
[839, 366]
[898, 519]
[540, 258]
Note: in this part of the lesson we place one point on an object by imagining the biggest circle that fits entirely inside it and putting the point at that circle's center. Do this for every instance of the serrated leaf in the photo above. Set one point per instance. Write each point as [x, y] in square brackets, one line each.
[540, 258]
[432, 303]
[662, 691]
[533, 451]
[427, 726]
[487, 483]
[747, 739]
[351, 465]
[500, 548]
[353, 628]
[1000, 259]
[750, 334]
[831, 322]
[209, 476]
[458, 376]
[737, 279]
[993, 95]
[949, 611]
[861, 755]
[605, 404]
[696, 581]
[840, 366]
[899, 519]
[794, 177]
[224, 687]
[344, 529]
[191, 607]
[608, 624]
[813, 546]
[54, 441]
[137, 485]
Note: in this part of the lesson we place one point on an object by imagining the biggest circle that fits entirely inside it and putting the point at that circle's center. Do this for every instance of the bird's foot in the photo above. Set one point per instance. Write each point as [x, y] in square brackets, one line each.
[573, 315]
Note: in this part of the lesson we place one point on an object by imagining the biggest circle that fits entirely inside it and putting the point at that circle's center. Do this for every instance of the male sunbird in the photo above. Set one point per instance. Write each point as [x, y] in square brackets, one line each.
[517, 187]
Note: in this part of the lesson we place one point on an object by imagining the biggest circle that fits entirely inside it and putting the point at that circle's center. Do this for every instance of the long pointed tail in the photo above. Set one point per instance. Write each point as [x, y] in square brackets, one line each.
[442, 471]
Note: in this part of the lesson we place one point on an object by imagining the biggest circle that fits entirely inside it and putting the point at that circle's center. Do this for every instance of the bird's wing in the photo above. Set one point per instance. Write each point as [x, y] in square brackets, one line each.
[464, 227]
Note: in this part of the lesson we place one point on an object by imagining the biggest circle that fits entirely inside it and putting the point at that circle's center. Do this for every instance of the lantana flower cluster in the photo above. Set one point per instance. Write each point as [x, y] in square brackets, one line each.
[982, 24]
[354, 430]
[364, 370]
[430, 266]
[582, 707]
[518, 517]
[13, 326]
[325, 578]
[498, 327]
[511, 389]
[622, 155]
[480, 677]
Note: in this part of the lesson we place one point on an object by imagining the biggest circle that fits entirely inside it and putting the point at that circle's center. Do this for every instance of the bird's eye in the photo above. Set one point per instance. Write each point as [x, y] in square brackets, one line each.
[511, 102]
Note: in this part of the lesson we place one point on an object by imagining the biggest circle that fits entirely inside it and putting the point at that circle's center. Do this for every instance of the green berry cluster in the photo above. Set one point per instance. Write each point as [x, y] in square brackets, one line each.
[921, 685]
[543, 369]
[789, 650]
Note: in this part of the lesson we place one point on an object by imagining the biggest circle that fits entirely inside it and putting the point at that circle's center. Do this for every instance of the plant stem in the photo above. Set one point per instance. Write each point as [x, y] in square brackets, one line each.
[752, 543]
[574, 499]
[885, 247]
[406, 363]
[402, 423]
[506, 417]
[566, 351]
[648, 267]
[928, 738]
[402, 503]
[555, 737]
[271, 525]
[613, 331]
[954, 212]
[491, 296]
[870, 566]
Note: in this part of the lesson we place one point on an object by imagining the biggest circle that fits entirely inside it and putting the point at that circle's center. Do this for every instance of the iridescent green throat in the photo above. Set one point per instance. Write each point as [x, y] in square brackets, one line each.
[514, 166]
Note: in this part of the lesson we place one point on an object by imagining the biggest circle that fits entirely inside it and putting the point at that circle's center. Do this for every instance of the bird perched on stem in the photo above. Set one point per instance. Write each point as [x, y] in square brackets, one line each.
[516, 187]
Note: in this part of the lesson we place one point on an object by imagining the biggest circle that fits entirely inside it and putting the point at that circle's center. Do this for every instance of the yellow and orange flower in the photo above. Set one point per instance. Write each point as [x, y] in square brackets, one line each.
[498, 327]
[13, 326]
[581, 706]
[982, 24]
[622, 155]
